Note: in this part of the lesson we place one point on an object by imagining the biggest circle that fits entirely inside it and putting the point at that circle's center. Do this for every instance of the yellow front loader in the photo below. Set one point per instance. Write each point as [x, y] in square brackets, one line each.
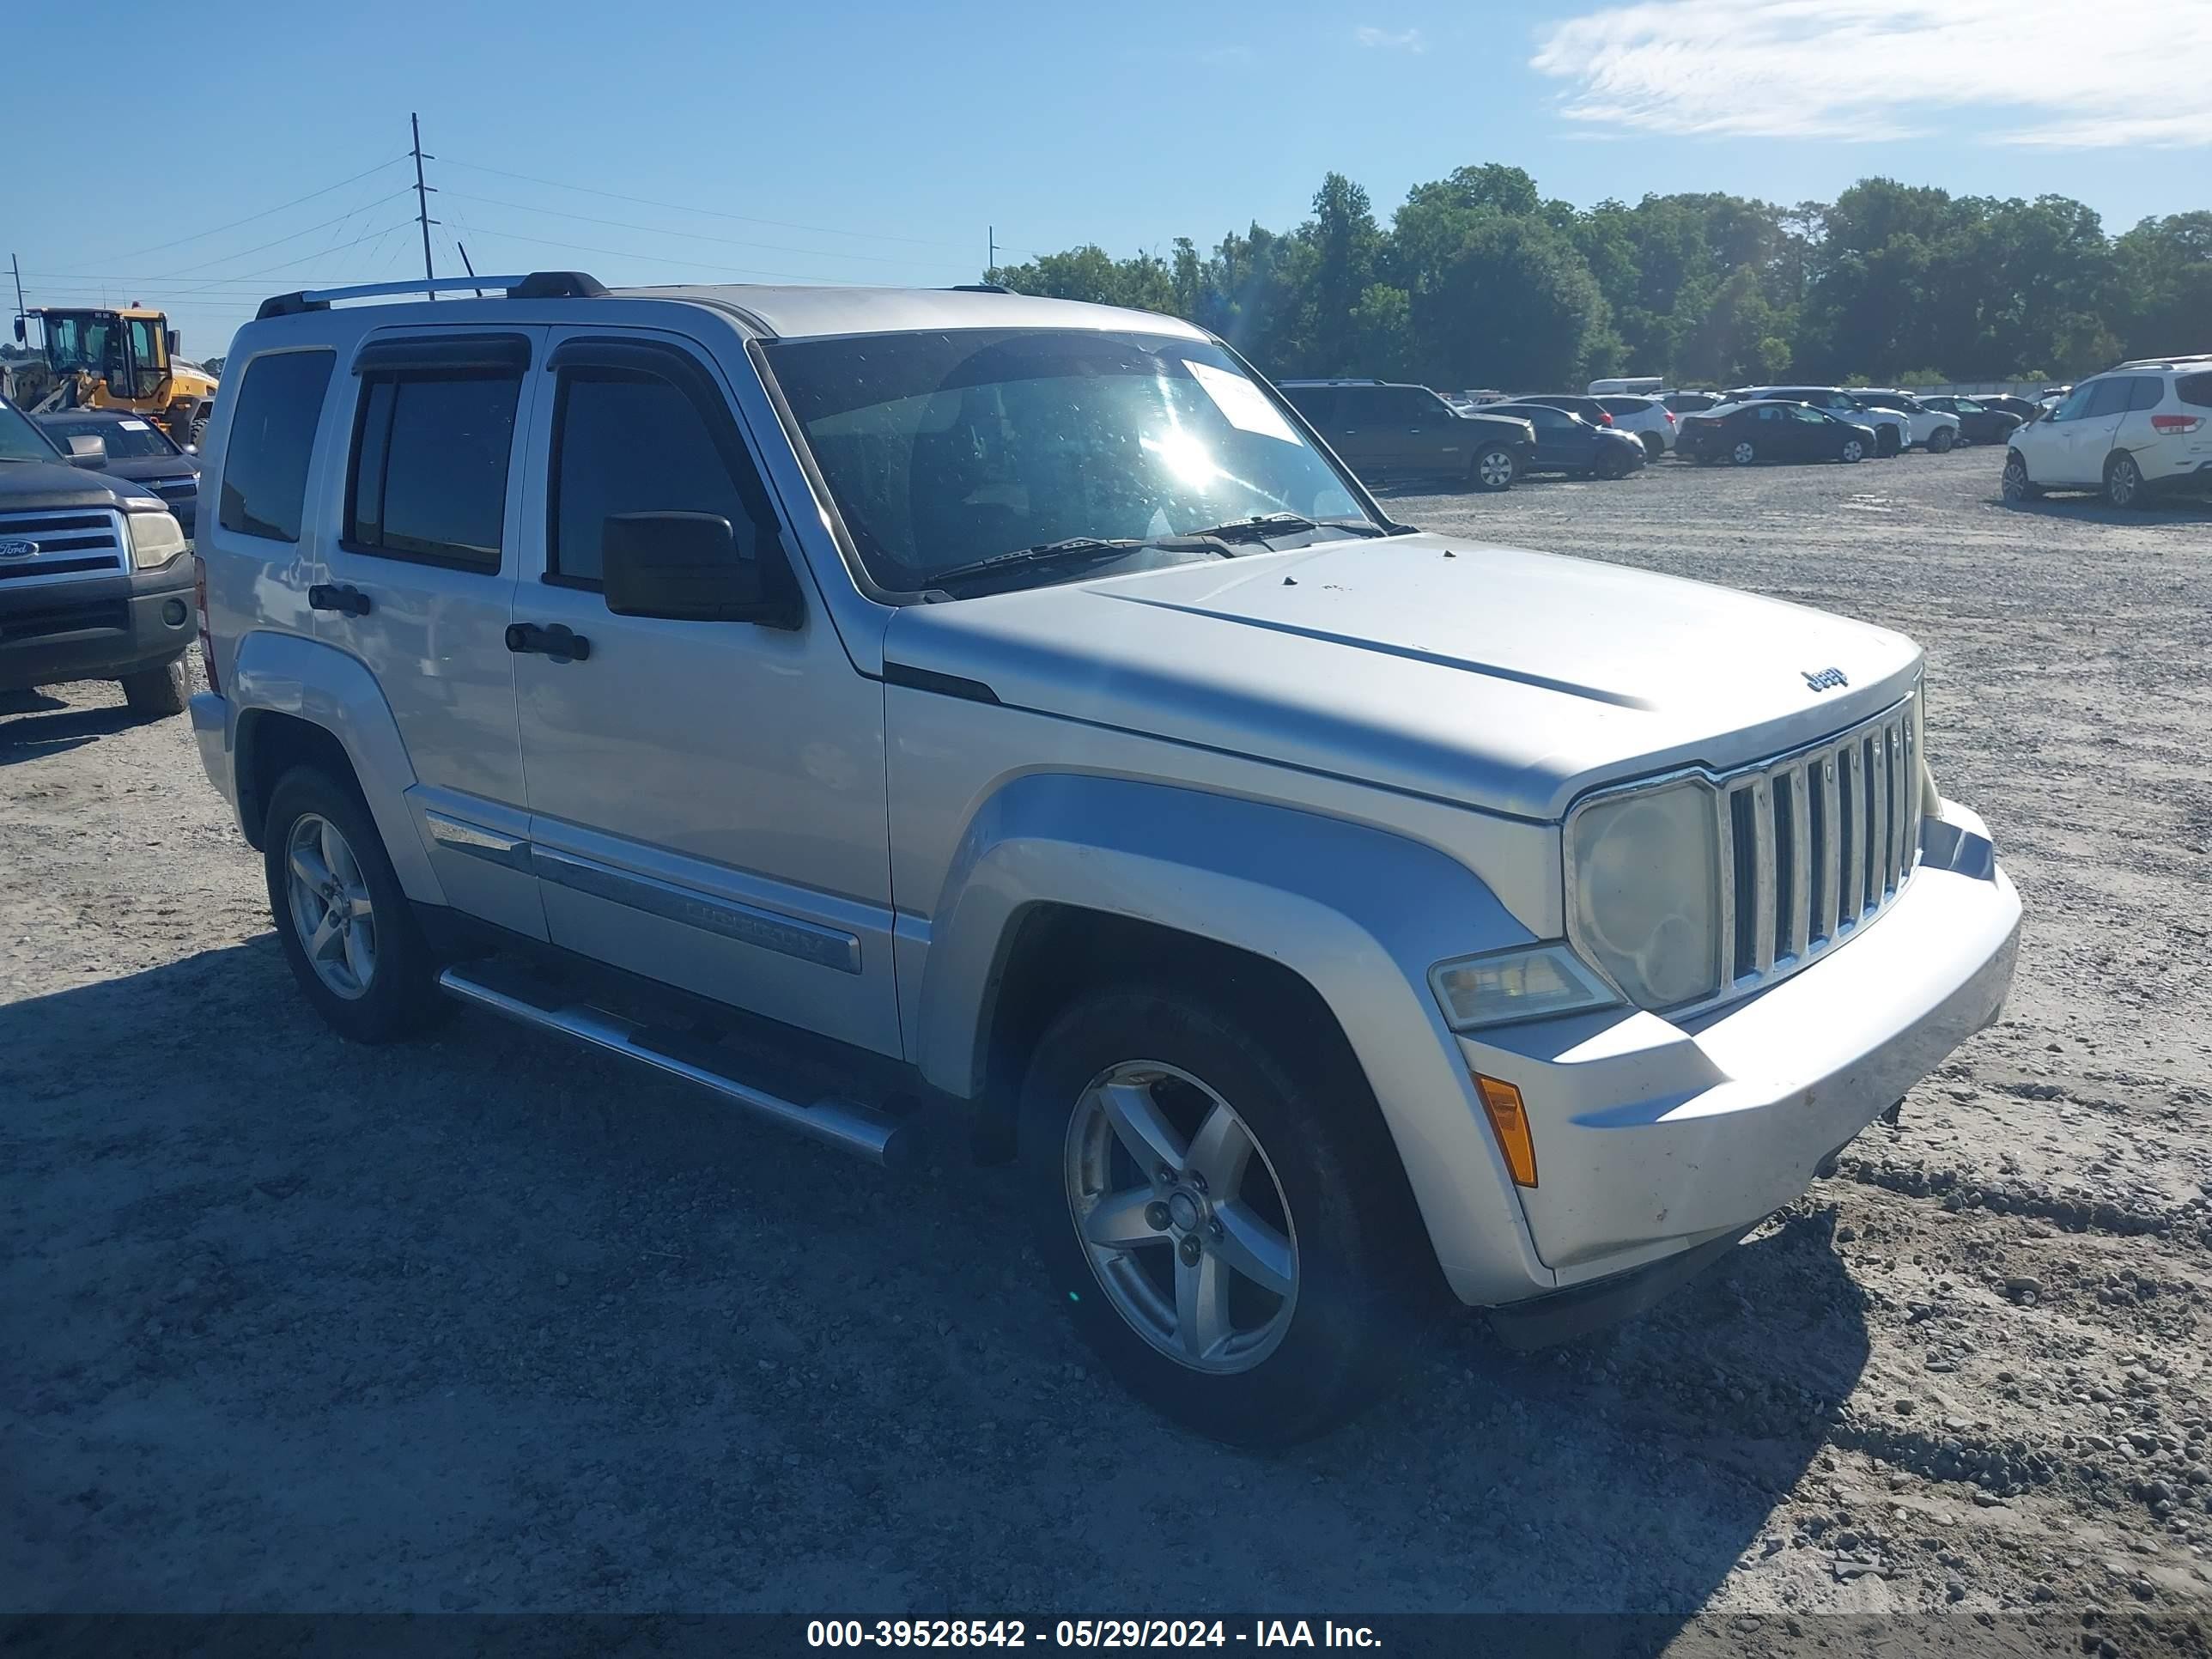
[122, 359]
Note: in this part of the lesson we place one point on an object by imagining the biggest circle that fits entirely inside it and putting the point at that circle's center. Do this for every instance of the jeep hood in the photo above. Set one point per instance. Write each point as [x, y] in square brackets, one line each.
[1506, 679]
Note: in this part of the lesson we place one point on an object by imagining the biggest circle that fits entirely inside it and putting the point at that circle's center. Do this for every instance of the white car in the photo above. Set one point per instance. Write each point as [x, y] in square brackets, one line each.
[1933, 429]
[1650, 420]
[963, 715]
[2143, 429]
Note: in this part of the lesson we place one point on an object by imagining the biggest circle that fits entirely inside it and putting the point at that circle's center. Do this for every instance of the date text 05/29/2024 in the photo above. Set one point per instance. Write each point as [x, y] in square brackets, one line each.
[1123, 1633]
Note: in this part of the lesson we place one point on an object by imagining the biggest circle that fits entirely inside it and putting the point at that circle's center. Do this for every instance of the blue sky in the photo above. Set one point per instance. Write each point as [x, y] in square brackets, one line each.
[877, 142]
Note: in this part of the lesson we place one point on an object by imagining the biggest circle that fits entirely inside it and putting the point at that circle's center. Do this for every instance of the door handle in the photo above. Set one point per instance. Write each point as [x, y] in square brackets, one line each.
[341, 597]
[560, 642]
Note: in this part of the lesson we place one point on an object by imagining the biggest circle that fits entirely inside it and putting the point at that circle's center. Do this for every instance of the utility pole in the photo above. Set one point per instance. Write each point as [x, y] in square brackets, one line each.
[17, 265]
[991, 254]
[422, 197]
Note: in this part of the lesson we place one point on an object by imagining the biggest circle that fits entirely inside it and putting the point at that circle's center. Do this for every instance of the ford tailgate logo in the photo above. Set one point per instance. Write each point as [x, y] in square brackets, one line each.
[1826, 680]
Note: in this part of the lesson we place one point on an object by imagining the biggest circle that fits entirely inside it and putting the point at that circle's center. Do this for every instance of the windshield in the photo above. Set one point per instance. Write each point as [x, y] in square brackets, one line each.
[943, 448]
[20, 441]
[87, 340]
[126, 440]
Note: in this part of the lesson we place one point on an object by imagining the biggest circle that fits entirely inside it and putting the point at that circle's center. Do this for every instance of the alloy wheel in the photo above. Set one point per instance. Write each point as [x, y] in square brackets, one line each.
[2015, 479]
[1853, 450]
[332, 914]
[2124, 482]
[1182, 1217]
[1743, 454]
[1495, 468]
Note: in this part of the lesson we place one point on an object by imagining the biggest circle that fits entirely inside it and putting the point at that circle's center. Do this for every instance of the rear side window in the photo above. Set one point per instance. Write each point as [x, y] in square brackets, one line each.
[2195, 389]
[272, 439]
[430, 455]
[2149, 392]
[630, 442]
[1624, 405]
[1317, 403]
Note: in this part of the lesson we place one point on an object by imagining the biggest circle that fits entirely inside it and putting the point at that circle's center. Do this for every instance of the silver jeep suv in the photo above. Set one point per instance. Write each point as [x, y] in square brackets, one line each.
[895, 709]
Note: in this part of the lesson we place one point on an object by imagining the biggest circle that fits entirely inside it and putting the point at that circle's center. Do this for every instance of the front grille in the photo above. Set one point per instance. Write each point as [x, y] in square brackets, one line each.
[48, 620]
[1815, 845]
[85, 541]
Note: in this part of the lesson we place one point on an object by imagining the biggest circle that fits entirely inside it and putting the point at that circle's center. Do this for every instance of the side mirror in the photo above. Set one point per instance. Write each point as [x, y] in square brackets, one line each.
[19, 331]
[87, 451]
[686, 567]
[170, 340]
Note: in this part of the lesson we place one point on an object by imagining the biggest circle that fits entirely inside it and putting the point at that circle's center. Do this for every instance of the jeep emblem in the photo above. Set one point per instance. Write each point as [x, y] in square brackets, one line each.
[1826, 680]
[17, 549]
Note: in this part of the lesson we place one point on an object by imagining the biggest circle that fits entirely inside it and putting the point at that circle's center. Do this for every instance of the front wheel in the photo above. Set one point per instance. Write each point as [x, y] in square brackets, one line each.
[158, 692]
[2017, 487]
[1222, 1213]
[1492, 469]
[1852, 452]
[2123, 482]
[1888, 442]
[1745, 453]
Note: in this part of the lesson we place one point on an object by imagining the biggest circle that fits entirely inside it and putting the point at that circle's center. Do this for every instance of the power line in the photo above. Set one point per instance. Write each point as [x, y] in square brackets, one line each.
[711, 213]
[242, 253]
[693, 235]
[199, 236]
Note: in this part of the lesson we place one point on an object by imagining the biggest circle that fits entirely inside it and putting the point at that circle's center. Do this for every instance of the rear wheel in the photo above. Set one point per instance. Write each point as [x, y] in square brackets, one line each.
[344, 921]
[2123, 482]
[1492, 469]
[1745, 453]
[158, 692]
[2017, 487]
[1655, 446]
[1944, 438]
[1222, 1213]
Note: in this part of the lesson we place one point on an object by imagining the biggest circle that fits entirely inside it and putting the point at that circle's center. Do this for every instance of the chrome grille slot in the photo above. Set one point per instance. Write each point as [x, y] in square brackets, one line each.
[1815, 845]
[82, 542]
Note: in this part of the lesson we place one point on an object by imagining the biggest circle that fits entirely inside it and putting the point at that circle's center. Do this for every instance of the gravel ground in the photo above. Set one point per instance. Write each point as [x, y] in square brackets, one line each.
[488, 1324]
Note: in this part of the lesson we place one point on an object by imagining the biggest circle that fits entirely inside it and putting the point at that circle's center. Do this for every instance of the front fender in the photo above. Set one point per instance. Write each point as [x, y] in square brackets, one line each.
[1358, 912]
[286, 674]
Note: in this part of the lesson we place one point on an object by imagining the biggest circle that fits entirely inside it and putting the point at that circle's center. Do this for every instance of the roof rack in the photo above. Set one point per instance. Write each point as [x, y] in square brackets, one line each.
[536, 285]
[2169, 362]
[979, 288]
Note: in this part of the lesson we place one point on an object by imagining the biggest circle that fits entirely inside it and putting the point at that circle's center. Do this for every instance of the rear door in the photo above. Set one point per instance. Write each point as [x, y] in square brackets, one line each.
[419, 584]
[1359, 427]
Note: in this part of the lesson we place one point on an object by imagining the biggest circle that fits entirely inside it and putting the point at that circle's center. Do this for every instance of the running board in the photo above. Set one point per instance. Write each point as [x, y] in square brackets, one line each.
[850, 1125]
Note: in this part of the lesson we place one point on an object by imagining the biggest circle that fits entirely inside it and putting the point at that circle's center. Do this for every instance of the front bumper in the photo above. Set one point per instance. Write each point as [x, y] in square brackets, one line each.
[1653, 1137]
[94, 628]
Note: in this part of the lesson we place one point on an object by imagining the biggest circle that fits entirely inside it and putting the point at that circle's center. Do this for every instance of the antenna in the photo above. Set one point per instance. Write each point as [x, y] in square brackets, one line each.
[423, 196]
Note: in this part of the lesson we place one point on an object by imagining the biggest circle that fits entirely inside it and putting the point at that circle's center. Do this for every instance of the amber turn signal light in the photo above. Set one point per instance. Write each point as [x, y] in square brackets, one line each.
[1509, 1121]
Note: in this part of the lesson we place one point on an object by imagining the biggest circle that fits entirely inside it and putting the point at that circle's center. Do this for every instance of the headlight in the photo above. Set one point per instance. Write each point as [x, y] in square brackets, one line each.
[1510, 985]
[1644, 870]
[156, 537]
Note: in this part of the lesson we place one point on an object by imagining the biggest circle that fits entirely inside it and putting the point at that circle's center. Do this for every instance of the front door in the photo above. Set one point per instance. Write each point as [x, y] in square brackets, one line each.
[706, 798]
[2089, 439]
[1811, 435]
[418, 583]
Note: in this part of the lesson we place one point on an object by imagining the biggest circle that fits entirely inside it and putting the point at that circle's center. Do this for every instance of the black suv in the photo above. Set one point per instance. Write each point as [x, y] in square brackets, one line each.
[95, 584]
[1384, 431]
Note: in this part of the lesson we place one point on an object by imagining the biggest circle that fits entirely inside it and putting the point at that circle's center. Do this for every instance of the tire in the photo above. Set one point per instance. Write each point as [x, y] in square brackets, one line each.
[1944, 438]
[1886, 442]
[1745, 451]
[2123, 483]
[1492, 469]
[379, 995]
[1320, 1205]
[157, 693]
[198, 431]
[2016, 486]
[1655, 447]
[1611, 467]
[1852, 452]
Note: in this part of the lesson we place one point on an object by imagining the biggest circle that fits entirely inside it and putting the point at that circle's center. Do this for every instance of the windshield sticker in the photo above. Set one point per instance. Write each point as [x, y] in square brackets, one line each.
[1244, 405]
[132, 426]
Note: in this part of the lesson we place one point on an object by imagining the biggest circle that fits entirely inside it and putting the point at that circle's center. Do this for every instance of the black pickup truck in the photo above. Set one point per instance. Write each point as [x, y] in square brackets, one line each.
[94, 580]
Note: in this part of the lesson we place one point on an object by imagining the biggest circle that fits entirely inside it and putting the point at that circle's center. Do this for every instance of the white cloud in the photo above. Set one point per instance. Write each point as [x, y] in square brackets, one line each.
[1390, 40]
[2062, 74]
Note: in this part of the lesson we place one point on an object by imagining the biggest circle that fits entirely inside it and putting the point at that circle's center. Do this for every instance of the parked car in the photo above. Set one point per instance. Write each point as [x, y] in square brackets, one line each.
[1690, 403]
[1592, 409]
[1566, 443]
[1481, 395]
[1771, 430]
[1892, 428]
[94, 583]
[1979, 422]
[137, 450]
[1635, 385]
[1935, 430]
[1384, 431]
[1650, 420]
[2143, 430]
[1003, 701]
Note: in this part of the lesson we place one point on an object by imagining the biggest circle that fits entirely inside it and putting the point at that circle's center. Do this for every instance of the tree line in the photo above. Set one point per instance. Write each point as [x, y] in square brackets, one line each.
[1478, 280]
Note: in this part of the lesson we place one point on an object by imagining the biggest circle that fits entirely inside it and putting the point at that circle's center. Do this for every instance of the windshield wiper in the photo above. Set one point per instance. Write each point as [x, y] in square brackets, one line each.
[1262, 525]
[1076, 547]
